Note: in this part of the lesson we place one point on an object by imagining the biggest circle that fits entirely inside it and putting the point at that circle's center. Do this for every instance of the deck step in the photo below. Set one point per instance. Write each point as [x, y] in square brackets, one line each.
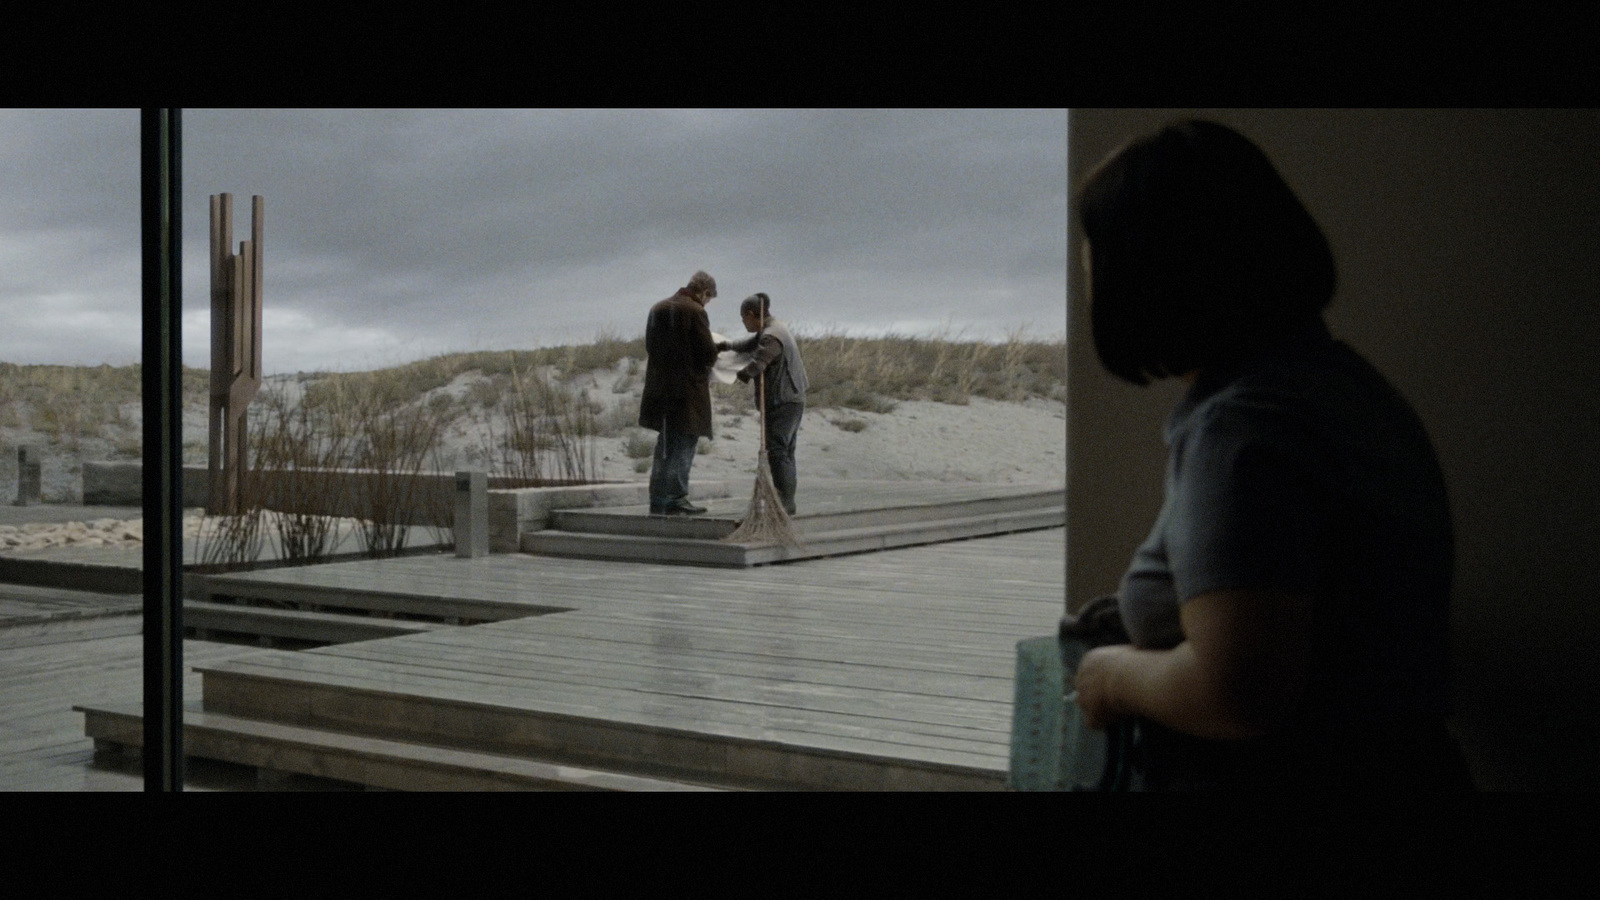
[722, 516]
[299, 625]
[55, 630]
[321, 597]
[31, 615]
[302, 690]
[374, 762]
[817, 539]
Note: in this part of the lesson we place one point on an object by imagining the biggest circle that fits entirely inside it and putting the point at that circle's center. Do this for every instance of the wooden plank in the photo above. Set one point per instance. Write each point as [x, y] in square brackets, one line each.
[42, 744]
[908, 660]
[464, 714]
[904, 656]
[371, 761]
[535, 660]
[964, 704]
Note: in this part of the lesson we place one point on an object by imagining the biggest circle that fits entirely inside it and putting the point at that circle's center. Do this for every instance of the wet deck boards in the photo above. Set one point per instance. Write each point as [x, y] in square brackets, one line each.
[42, 745]
[906, 654]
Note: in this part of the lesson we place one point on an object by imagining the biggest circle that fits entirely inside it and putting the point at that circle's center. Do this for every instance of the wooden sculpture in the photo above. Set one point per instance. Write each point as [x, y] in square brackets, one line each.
[235, 349]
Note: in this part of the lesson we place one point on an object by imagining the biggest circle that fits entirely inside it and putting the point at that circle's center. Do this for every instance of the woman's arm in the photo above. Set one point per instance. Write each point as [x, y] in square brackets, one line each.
[1238, 673]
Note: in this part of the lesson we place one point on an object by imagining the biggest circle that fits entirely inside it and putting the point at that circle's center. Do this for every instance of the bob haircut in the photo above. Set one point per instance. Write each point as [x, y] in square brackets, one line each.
[1199, 253]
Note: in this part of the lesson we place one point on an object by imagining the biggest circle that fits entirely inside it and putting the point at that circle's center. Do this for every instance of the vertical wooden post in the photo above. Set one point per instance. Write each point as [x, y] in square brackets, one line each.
[235, 348]
[220, 500]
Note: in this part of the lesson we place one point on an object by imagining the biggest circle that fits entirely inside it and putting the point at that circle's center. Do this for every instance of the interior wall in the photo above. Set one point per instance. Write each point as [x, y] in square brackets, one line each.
[1468, 245]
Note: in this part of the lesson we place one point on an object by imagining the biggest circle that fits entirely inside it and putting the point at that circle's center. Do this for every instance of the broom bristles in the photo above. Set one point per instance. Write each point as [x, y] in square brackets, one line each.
[766, 522]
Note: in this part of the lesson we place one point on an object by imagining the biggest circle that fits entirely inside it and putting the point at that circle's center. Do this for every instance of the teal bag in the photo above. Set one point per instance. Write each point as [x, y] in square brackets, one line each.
[1051, 747]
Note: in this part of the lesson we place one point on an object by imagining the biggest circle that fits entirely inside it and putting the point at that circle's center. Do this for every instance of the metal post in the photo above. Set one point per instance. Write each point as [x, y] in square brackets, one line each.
[161, 192]
[28, 477]
[471, 523]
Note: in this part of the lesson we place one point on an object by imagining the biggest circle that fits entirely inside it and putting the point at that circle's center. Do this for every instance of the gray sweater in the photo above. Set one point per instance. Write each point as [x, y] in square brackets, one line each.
[774, 351]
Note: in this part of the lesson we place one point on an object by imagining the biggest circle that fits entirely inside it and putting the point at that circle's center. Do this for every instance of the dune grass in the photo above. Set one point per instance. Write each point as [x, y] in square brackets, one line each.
[866, 373]
[542, 411]
[67, 404]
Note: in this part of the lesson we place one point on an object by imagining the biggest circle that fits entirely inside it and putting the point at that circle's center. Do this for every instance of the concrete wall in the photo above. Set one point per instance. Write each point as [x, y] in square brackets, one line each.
[122, 484]
[511, 511]
[1468, 244]
[433, 497]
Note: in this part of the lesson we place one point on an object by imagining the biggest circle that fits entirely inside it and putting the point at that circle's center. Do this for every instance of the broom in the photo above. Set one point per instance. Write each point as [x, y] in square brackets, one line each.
[766, 522]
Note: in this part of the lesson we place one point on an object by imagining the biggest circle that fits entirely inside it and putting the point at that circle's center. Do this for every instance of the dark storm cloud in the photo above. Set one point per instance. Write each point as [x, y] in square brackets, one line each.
[397, 233]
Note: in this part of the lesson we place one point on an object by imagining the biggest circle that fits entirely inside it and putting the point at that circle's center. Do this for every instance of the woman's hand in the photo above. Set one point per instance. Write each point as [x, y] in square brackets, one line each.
[1237, 674]
[1096, 693]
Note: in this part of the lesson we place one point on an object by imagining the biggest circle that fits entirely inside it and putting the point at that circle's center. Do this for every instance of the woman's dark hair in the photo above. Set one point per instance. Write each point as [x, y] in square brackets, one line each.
[1199, 253]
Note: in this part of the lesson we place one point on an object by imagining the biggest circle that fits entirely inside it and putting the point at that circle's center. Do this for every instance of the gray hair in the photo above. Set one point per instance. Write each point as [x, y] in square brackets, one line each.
[702, 284]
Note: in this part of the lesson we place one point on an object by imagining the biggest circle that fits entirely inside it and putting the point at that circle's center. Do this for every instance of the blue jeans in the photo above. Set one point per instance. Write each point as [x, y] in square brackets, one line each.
[783, 428]
[669, 467]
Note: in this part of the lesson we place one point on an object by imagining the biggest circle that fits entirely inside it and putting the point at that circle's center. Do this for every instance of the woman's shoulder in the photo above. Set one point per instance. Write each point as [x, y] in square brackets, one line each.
[1331, 379]
[1336, 413]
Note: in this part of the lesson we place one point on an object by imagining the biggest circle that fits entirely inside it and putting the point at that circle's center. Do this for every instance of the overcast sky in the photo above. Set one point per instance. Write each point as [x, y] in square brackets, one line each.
[393, 235]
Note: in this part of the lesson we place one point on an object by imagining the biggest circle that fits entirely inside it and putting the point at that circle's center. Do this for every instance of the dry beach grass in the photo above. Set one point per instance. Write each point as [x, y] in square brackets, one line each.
[934, 407]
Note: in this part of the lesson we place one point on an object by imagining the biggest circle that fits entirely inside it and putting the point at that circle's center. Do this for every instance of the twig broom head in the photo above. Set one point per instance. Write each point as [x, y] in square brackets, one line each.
[766, 522]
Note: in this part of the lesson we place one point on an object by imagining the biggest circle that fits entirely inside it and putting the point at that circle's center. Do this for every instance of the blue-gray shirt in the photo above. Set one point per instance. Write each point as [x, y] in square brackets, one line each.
[1303, 470]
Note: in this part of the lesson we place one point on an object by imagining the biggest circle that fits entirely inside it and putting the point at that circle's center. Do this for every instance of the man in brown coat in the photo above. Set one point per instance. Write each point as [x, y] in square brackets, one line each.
[676, 402]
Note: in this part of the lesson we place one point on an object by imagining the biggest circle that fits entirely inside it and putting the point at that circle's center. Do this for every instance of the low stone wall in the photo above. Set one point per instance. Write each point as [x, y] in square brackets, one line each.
[122, 484]
[512, 511]
[432, 500]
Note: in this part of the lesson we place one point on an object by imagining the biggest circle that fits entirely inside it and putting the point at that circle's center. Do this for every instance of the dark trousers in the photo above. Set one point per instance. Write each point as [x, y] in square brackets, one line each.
[669, 467]
[783, 428]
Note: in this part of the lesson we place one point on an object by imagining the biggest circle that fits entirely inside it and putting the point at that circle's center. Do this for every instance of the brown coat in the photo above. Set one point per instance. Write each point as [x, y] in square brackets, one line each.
[677, 373]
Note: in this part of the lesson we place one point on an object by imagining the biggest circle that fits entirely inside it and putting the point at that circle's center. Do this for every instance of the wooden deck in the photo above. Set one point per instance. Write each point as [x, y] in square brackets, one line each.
[880, 671]
[42, 744]
[837, 518]
[32, 615]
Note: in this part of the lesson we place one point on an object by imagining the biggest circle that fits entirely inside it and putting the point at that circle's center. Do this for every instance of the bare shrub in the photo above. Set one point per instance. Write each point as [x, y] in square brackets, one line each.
[617, 418]
[488, 392]
[549, 432]
[444, 407]
[733, 399]
[394, 446]
[303, 452]
[236, 539]
[639, 444]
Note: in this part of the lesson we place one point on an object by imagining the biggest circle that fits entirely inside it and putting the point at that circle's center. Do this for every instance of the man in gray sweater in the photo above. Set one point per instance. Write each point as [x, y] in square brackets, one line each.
[775, 355]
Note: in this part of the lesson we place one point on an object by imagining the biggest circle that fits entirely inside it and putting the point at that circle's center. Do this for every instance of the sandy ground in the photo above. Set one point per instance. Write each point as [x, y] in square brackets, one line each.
[983, 441]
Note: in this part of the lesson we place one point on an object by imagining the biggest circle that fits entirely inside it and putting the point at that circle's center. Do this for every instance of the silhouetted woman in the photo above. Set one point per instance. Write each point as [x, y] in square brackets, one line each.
[1289, 611]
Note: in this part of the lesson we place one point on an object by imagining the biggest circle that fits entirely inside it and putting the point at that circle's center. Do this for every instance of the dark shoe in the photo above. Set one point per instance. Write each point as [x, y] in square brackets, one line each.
[682, 509]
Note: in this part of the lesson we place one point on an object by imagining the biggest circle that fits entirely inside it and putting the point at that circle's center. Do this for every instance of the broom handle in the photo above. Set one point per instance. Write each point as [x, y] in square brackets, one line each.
[761, 387]
[761, 401]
